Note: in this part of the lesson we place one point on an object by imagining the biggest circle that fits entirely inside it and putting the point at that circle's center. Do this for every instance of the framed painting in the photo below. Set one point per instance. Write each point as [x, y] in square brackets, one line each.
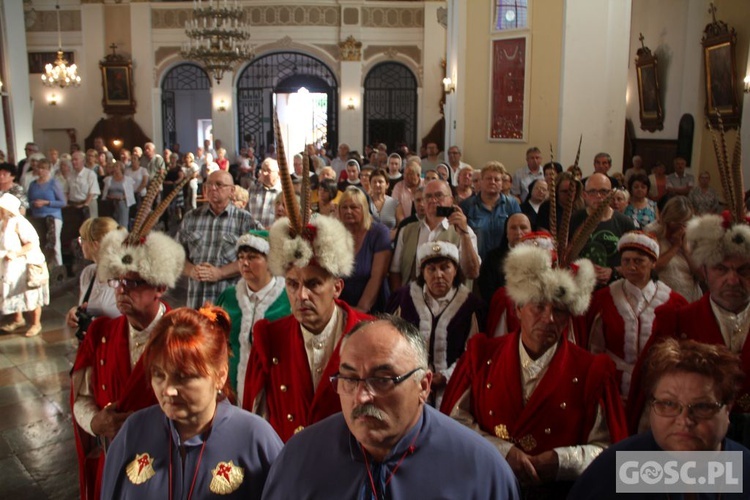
[508, 94]
[117, 85]
[719, 63]
[651, 114]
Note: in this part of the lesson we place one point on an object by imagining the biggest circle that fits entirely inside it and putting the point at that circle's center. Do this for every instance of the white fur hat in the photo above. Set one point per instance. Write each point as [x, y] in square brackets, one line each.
[257, 240]
[529, 277]
[713, 238]
[324, 242]
[638, 240]
[436, 249]
[158, 259]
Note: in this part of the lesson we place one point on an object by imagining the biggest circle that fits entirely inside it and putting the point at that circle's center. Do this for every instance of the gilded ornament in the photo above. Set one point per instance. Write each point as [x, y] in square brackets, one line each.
[527, 442]
[141, 469]
[501, 431]
[350, 49]
[227, 477]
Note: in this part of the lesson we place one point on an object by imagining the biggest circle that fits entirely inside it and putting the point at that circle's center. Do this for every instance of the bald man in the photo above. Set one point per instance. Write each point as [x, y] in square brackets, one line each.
[601, 248]
[209, 234]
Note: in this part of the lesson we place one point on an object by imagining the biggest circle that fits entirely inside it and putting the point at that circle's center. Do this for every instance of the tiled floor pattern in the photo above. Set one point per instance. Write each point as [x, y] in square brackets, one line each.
[37, 449]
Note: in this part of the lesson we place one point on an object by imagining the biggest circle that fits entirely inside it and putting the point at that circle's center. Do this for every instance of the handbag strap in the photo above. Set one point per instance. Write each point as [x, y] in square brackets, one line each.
[88, 291]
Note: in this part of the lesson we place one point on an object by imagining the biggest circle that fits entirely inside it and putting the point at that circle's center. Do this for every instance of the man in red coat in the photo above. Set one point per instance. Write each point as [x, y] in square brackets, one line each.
[549, 406]
[292, 359]
[108, 379]
[720, 248]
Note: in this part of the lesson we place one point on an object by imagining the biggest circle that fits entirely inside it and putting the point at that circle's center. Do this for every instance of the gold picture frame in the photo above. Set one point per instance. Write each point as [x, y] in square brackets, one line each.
[719, 64]
[117, 85]
[649, 94]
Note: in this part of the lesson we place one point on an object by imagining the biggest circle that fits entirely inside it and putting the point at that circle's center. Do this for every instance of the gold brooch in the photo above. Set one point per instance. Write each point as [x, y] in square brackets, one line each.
[141, 469]
[527, 442]
[299, 429]
[744, 402]
[227, 477]
[501, 431]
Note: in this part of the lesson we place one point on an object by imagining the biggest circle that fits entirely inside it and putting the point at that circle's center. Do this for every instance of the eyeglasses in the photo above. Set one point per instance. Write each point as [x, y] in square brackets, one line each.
[434, 196]
[81, 240]
[373, 385]
[669, 408]
[217, 185]
[598, 192]
[125, 283]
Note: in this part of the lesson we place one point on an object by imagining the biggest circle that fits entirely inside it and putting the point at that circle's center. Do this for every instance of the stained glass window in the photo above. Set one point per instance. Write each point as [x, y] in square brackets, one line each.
[511, 14]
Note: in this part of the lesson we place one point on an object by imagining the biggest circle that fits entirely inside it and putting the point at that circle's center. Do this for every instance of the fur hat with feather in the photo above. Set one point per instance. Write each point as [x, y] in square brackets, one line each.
[712, 238]
[299, 239]
[155, 256]
[530, 277]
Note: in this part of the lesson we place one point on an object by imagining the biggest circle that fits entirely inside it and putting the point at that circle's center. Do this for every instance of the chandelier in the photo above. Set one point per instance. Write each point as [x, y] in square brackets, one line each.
[217, 36]
[60, 74]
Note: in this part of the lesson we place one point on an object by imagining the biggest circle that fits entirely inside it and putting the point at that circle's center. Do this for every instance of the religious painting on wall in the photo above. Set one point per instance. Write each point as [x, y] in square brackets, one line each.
[508, 89]
[719, 43]
[652, 117]
[117, 84]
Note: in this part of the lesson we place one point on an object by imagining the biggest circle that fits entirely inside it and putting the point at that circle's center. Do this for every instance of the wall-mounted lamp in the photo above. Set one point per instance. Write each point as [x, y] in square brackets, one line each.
[52, 100]
[449, 86]
[350, 104]
[747, 84]
[222, 106]
[116, 143]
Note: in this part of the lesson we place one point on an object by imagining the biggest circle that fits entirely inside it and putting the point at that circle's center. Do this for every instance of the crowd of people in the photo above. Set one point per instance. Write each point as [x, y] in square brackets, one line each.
[503, 354]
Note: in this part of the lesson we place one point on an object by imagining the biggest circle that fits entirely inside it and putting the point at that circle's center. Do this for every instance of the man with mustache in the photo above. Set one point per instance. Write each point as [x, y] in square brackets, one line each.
[292, 357]
[108, 380]
[386, 443]
[547, 405]
[720, 248]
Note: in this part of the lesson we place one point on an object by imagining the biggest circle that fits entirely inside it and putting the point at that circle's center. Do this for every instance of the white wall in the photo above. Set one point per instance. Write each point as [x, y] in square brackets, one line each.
[671, 29]
[596, 38]
[16, 74]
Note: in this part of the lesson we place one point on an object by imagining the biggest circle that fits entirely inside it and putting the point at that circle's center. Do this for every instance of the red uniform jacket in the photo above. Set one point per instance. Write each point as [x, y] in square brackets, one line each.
[278, 365]
[622, 330]
[562, 409]
[696, 321]
[500, 304]
[105, 349]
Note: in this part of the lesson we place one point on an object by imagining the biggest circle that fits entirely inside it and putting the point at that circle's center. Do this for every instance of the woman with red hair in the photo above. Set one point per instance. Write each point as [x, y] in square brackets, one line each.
[194, 443]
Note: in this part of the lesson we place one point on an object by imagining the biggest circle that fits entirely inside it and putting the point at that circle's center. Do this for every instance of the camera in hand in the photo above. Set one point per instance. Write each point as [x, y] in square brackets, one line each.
[84, 320]
[444, 211]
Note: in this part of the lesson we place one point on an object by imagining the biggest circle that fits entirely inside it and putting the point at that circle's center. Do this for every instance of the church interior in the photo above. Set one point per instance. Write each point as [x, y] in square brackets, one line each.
[493, 77]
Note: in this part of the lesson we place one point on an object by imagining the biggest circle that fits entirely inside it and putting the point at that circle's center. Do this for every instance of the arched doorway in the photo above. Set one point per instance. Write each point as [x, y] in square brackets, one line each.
[282, 73]
[390, 106]
[185, 106]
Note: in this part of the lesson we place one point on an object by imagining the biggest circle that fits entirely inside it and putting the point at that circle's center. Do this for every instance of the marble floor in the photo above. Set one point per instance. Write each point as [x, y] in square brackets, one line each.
[37, 449]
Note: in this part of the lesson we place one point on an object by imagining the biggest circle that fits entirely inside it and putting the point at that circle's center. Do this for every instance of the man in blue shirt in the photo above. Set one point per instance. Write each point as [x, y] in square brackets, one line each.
[387, 443]
[488, 211]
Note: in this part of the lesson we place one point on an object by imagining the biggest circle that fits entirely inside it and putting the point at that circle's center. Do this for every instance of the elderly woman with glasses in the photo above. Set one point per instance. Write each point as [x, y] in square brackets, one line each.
[193, 443]
[257, 295]
[691, 388]
[444, 310]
